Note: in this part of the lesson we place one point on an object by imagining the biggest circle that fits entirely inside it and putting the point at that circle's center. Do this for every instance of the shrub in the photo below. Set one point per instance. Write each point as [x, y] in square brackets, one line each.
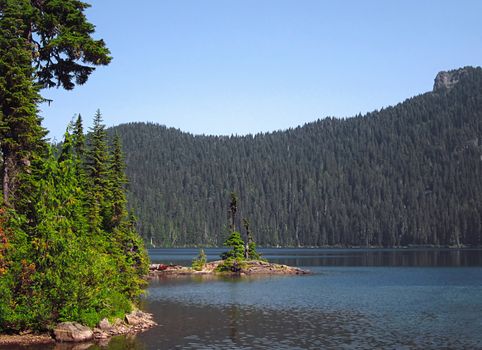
[231, 265]
[199, 262]
[236, 243]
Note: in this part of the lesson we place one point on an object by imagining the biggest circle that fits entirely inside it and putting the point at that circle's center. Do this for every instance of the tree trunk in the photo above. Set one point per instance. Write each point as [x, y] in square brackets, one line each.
[5, 186]
[9, 176]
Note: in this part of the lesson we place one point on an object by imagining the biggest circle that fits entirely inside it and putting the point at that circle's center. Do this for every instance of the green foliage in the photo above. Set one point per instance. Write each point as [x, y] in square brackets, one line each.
[240, 250]
[236, 243]
[231, 264]
[56, 264]
[234, 240]
[117, 180]
[199, 262]
[99, 186]
[61, 43]
[78, 138]
[42, 44]
[252, 252]
[21, 135]
[68, 248]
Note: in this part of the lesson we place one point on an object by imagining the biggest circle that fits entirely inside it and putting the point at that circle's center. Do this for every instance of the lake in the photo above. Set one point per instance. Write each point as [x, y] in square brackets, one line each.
[355, 299]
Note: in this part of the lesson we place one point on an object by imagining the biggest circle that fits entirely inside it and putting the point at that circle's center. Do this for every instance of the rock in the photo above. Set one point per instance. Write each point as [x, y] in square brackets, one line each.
[250, 267]
[72, 332]
[142, 320]
[100, 334]
[132, 319]
[447, 80]
[136, 321]
[105, 325]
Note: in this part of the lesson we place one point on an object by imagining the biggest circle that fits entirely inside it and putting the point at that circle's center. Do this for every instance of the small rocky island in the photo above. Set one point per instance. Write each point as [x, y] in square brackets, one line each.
[251, 267]
[242, 258]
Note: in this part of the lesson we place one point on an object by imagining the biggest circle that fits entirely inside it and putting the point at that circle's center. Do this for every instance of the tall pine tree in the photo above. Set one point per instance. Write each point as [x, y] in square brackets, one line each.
[21, 135]
[42, 44]
[98, 185]
[117, 181]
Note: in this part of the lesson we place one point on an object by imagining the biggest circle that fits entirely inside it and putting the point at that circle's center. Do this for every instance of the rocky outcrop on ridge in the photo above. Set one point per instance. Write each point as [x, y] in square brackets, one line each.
[446, 80]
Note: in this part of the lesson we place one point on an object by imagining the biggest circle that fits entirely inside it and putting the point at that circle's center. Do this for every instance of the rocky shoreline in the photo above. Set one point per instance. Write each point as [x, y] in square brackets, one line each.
[71, 332]
[253, 267]
[138, 321]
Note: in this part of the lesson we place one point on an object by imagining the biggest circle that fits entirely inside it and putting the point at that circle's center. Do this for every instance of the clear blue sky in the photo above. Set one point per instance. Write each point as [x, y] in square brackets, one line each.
[245, 66]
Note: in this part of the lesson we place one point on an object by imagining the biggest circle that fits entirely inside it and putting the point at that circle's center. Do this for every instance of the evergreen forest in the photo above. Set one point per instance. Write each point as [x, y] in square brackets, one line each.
[69, 249]
[403, 175]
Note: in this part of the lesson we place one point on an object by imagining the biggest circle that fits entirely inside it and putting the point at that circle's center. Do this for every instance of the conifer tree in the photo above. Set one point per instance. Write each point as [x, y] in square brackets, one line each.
[78, 137]
[79, 150]
[20, 132]
[250, 251]
[233, 207]
[98, 155]
[42, 44]
[118, 180]
[120, 222]
[234, 240]
[98, 160]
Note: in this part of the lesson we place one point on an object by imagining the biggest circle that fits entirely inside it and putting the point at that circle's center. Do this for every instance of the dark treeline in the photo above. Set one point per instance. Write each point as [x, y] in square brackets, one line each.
[408, 174]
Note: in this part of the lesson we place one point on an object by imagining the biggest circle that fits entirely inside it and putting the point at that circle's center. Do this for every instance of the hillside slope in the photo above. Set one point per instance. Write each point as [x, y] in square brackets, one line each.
[408, 174]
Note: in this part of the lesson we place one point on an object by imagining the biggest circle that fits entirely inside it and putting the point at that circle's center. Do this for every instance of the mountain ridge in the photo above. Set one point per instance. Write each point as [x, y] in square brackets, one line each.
[324, 183]
[445, 79]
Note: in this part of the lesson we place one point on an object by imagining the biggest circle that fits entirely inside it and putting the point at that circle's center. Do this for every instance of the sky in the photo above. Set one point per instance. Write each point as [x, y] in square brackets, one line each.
[227, 67]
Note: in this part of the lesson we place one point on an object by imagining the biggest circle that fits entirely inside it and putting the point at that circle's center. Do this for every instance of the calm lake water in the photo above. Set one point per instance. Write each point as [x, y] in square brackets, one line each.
[355, 299]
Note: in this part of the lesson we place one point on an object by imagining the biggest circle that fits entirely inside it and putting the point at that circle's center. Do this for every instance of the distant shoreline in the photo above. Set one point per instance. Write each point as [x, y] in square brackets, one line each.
[410, 246]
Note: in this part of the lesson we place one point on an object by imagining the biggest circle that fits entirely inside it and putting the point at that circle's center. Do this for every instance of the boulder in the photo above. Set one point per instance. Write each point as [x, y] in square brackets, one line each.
[100, 334]
[132, 319]
[104, 325]
[72, 332]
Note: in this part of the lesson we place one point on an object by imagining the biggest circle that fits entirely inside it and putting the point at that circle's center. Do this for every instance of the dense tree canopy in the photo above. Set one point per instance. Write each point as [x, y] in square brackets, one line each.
[42, 44]
[69, 250]
[408, 174]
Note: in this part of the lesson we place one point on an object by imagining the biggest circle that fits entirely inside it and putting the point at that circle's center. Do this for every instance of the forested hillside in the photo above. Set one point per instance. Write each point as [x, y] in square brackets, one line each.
[408, 174]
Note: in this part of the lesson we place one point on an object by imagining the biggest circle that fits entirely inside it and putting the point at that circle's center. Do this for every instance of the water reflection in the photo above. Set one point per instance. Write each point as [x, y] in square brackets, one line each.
[115, 343]
[190, 326]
